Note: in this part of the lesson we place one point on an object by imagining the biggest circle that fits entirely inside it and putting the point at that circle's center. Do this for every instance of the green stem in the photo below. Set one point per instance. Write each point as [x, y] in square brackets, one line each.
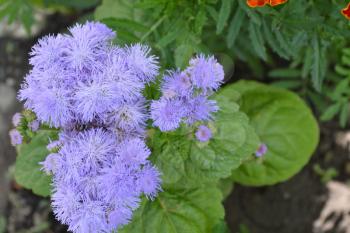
[154, 27]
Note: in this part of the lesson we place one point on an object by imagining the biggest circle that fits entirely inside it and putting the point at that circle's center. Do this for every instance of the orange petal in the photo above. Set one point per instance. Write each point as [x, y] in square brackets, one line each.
[277, 2]
[346, 11]
[257, 3]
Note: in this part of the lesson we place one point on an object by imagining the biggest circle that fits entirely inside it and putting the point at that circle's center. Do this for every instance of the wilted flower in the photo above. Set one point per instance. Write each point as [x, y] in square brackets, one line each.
[16, 119]
[34, 125]
[203, 133]
[16, 137]
[262, 150]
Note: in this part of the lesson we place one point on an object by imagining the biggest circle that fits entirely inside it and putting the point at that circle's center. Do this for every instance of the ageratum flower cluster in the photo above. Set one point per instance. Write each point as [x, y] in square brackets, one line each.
[92, 91]
[185, 96]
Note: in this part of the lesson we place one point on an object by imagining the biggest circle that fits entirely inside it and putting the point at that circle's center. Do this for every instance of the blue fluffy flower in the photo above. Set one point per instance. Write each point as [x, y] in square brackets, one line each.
[98, 182]
[185, 94]
[167, 113]
[141, 63]
[206, 73]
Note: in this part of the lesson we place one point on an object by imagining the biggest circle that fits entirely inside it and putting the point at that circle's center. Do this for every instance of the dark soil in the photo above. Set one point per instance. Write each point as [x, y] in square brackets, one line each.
[292, 206]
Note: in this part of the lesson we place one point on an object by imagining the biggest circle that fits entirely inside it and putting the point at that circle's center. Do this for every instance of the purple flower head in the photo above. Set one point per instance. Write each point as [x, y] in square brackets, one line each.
[167, 114]
[66, 201]
[176, 84]
[51, 163]
[89, 218]
[119, 216]
[92, 91]
[94, 100]
[48, 52]
[87, 47]
[149, 181]
[94, 31]
[261, 150]
[200, 109]
[16, 119]
[82, 78]
[126, 86]
[141, 63]
[16, 137]
[129, 117]
[185, 94]
[34, 125]
[133, 151]
[206, 73]
[97, 179]
[53, 107]
[87, 151]
[203, 133]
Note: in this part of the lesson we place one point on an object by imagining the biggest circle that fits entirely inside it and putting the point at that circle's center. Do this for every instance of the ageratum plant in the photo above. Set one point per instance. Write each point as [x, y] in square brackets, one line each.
[120, 147]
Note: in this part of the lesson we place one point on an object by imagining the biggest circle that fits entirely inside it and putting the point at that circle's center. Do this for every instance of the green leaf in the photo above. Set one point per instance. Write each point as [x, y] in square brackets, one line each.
[224, 13]
[183, 53]
[78, 4]
[257, 41]
[235, 26]
[176, 30]
[221, 227]
[122, 9]
[330, 112]
[272, 41]
[128, 24]
[318, 64]
[285, 124]
[307, 64]
[27, 167]
[233, 142]
[284, 43]
[201, 19]
[184, 161]
[179, 211]
[288, 84]
[284, 73]
[213, 13]
[344, 114]
[342, 70]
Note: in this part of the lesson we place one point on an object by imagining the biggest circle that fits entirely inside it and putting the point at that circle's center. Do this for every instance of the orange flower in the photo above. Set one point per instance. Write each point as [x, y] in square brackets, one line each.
[261, 3]
[277, 2]
[257, 3]
[346, 11]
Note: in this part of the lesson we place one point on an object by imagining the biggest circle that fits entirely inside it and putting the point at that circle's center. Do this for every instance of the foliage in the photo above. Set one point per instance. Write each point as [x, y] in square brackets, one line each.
[2, 224]
[196, 175]
[23, 10]
[180, 211]
[338, 91]
[192, 171]
[326, 175]
[302, 32]
[28, 171]
[279, 117]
